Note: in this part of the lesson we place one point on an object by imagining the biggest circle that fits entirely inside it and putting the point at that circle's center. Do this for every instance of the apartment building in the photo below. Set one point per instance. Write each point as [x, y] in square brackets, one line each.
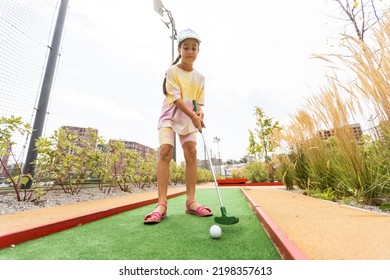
[141, 149]
[355, 128]
[3, 173]
[381, 128]
[81, 132]
[4, 163]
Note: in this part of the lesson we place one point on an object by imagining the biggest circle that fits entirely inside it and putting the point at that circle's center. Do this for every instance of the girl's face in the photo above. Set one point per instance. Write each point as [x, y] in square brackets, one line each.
[189, 50]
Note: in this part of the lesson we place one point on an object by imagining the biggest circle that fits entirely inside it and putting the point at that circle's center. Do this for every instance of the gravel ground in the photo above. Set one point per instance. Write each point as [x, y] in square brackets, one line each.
[371, 208]
[9, 203]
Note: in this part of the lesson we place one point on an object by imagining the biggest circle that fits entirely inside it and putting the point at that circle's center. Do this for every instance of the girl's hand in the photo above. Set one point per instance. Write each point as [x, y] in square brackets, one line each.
[201, 115]
[196, 117]
[197, 120]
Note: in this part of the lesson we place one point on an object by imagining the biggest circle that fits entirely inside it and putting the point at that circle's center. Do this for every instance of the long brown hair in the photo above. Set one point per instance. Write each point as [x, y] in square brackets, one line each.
[165, 78]
[173, 63]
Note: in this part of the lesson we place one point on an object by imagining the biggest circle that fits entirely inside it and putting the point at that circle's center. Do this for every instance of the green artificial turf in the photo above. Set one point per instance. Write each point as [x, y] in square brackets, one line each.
[178, 237]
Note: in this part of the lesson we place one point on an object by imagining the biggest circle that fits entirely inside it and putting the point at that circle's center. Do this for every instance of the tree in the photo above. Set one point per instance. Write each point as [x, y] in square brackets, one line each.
[8, 127]
[361, 14]
[118, 165]
[140, 171]
[67, 158]
[261, 139]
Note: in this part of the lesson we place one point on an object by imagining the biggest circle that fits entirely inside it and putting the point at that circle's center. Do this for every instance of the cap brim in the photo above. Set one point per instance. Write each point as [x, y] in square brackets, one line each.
[197, 39]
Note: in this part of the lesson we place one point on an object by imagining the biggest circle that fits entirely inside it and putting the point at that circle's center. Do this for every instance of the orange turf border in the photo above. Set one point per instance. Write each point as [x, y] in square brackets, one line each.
[43, 230]
[287, 249]
[242, 182]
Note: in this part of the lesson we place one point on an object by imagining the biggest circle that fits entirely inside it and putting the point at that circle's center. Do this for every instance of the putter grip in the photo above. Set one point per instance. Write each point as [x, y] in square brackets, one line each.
[195, 105]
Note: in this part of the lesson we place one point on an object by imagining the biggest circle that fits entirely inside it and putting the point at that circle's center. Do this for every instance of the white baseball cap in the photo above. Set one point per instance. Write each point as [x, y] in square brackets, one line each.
[186, 34]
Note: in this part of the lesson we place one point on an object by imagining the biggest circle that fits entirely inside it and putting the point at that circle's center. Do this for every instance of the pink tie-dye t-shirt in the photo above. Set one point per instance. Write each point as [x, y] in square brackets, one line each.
[187, 85]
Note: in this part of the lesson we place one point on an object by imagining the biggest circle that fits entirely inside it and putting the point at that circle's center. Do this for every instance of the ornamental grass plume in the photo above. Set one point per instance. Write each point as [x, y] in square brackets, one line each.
[326, 154]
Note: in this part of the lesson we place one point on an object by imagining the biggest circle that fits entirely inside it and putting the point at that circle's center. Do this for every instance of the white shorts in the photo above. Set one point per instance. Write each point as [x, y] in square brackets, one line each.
[166, 135]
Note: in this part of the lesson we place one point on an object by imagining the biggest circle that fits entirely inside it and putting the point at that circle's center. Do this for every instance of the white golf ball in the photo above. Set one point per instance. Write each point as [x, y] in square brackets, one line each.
[215, 232]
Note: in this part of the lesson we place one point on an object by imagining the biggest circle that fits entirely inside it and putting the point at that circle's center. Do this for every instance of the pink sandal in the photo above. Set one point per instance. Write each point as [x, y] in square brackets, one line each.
[156, 215]
[201, 210]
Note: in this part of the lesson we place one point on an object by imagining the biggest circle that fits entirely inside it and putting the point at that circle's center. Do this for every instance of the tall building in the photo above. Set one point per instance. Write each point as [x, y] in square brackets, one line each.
[3, 173]
[214, 161]
[355, 128]
[141, 149]
[4, 165]
[81, 132]
[379, 130]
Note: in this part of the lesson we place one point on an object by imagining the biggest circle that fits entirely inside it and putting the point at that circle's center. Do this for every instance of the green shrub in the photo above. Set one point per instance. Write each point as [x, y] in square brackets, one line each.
[176, 173]
[285, 173]
[205, 175]
[256, 172]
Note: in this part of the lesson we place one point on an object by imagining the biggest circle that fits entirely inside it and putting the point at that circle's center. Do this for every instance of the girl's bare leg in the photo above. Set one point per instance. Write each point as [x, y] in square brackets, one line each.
[164, 158]
[189, 149]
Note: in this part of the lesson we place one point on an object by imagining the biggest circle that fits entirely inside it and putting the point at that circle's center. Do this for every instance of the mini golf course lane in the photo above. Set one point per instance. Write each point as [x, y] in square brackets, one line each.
[23, 226]
[177, 237]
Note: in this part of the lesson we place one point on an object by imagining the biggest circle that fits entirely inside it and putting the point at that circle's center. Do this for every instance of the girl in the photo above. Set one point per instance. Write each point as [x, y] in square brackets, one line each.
[182, 84]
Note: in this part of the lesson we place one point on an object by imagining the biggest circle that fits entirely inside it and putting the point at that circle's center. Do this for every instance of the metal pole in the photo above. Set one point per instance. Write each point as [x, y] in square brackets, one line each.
[216, 139]
[371, 120]
[173, 43]
[205, 158]
[160, 9]
[219, 159]
[265, 145]
[39, 121]
[173, 58]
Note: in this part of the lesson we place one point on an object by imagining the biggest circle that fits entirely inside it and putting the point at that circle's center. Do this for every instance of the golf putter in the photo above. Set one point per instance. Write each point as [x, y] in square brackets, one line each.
[225, 219]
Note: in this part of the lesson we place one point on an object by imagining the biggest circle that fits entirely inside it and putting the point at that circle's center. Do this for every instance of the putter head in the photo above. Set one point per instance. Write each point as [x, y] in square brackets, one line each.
[225, 219]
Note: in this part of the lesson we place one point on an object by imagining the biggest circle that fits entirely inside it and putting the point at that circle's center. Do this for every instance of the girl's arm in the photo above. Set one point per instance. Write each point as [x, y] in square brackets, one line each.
[197, 118]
